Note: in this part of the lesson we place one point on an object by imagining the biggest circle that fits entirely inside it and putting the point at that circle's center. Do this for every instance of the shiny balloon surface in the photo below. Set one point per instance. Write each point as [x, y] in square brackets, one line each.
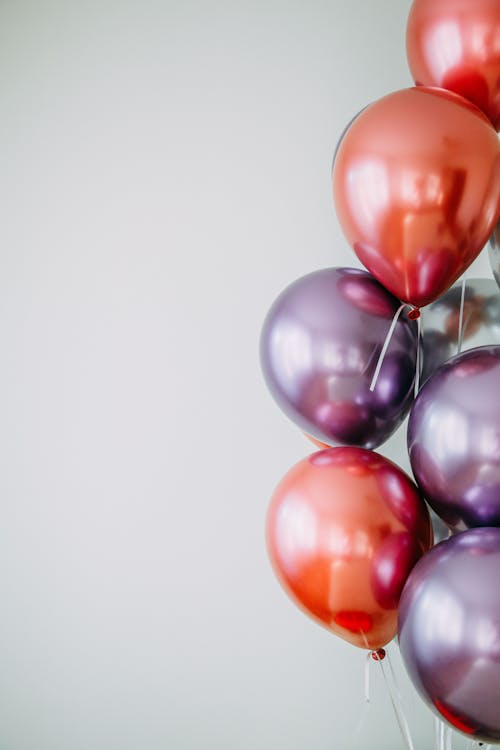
[449, 631]
[446, 332]
[344, 528]
[454, 439]
[454, 44]
[320, 346]
[416, 184]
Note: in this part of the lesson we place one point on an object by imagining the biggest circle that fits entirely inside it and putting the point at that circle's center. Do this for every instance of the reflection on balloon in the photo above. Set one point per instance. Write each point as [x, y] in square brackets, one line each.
[454, 439]
[449, 631]
[345, 527]
[454, 45]
[416, 186]
[320, 346]
[467, 316]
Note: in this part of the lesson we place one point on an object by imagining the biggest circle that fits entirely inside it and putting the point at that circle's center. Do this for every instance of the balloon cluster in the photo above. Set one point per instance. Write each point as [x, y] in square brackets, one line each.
[416, 186]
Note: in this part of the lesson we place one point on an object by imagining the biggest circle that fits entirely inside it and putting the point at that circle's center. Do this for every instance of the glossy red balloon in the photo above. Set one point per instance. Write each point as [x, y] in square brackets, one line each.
[455, 44]
[416, 184]
[344, 529]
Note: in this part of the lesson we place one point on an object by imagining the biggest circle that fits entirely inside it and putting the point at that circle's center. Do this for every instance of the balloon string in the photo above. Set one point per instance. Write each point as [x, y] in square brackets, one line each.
[395, 698]
[398, 708]
[438, 734]
[386, 346]
[418, 364]
[444, 736]
[367, 702]
[367, 678]
[461, 319]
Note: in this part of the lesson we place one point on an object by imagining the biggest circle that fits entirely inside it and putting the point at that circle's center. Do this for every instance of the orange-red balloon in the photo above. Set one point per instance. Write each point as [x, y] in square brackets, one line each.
[344, 529]
[416, 185]
[455, 44]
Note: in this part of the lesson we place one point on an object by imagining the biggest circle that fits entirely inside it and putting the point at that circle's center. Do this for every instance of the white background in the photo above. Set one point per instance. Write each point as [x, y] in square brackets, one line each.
[165, 173]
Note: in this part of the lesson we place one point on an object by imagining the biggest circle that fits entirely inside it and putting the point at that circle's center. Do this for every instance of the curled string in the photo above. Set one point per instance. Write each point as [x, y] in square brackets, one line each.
[397, 704]
[461, 319]
[386, 346]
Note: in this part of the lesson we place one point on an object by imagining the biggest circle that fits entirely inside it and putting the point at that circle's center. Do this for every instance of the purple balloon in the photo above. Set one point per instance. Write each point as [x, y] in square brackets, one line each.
[454, 439]
[449, 631]
[320, 346]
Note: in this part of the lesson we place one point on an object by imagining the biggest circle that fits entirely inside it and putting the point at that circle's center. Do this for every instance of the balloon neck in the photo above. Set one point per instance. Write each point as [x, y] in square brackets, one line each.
[378, 655]
[414, 313]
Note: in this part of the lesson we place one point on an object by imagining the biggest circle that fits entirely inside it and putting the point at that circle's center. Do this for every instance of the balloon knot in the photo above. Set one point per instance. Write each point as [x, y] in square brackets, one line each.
[414, 313]
[378, 655]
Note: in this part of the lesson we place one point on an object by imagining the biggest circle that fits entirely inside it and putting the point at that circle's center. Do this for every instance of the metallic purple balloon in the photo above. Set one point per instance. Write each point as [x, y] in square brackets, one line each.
[320, 346]
[454, 439]
[449, 631]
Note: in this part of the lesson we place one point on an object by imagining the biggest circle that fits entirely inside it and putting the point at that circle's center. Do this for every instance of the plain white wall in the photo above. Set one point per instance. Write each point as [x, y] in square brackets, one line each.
[165, 172]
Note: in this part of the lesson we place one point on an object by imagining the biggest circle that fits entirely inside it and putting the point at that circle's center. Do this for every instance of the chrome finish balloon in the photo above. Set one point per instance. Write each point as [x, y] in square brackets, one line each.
[344, 529]
[320, 346]
[449, 632]
[446, 333]
[494, 253]
[454, 44]
[416, 185]
[454, 439]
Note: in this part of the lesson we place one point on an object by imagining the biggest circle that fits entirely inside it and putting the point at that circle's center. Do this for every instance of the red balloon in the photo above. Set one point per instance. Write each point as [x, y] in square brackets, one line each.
[344, 529]
[455, 44]
[416, 185]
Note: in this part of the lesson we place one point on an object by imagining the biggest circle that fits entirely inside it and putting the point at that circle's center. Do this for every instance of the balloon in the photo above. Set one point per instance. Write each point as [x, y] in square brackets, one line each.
[416, 184]
[454, 44]
[344, 528]
[454, 439]
[494, 253]
[441, 322]
[449, 631]
[320, 345]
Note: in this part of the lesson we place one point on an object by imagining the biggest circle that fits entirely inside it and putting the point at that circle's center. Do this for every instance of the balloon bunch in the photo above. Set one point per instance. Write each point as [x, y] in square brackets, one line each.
[416, 186]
